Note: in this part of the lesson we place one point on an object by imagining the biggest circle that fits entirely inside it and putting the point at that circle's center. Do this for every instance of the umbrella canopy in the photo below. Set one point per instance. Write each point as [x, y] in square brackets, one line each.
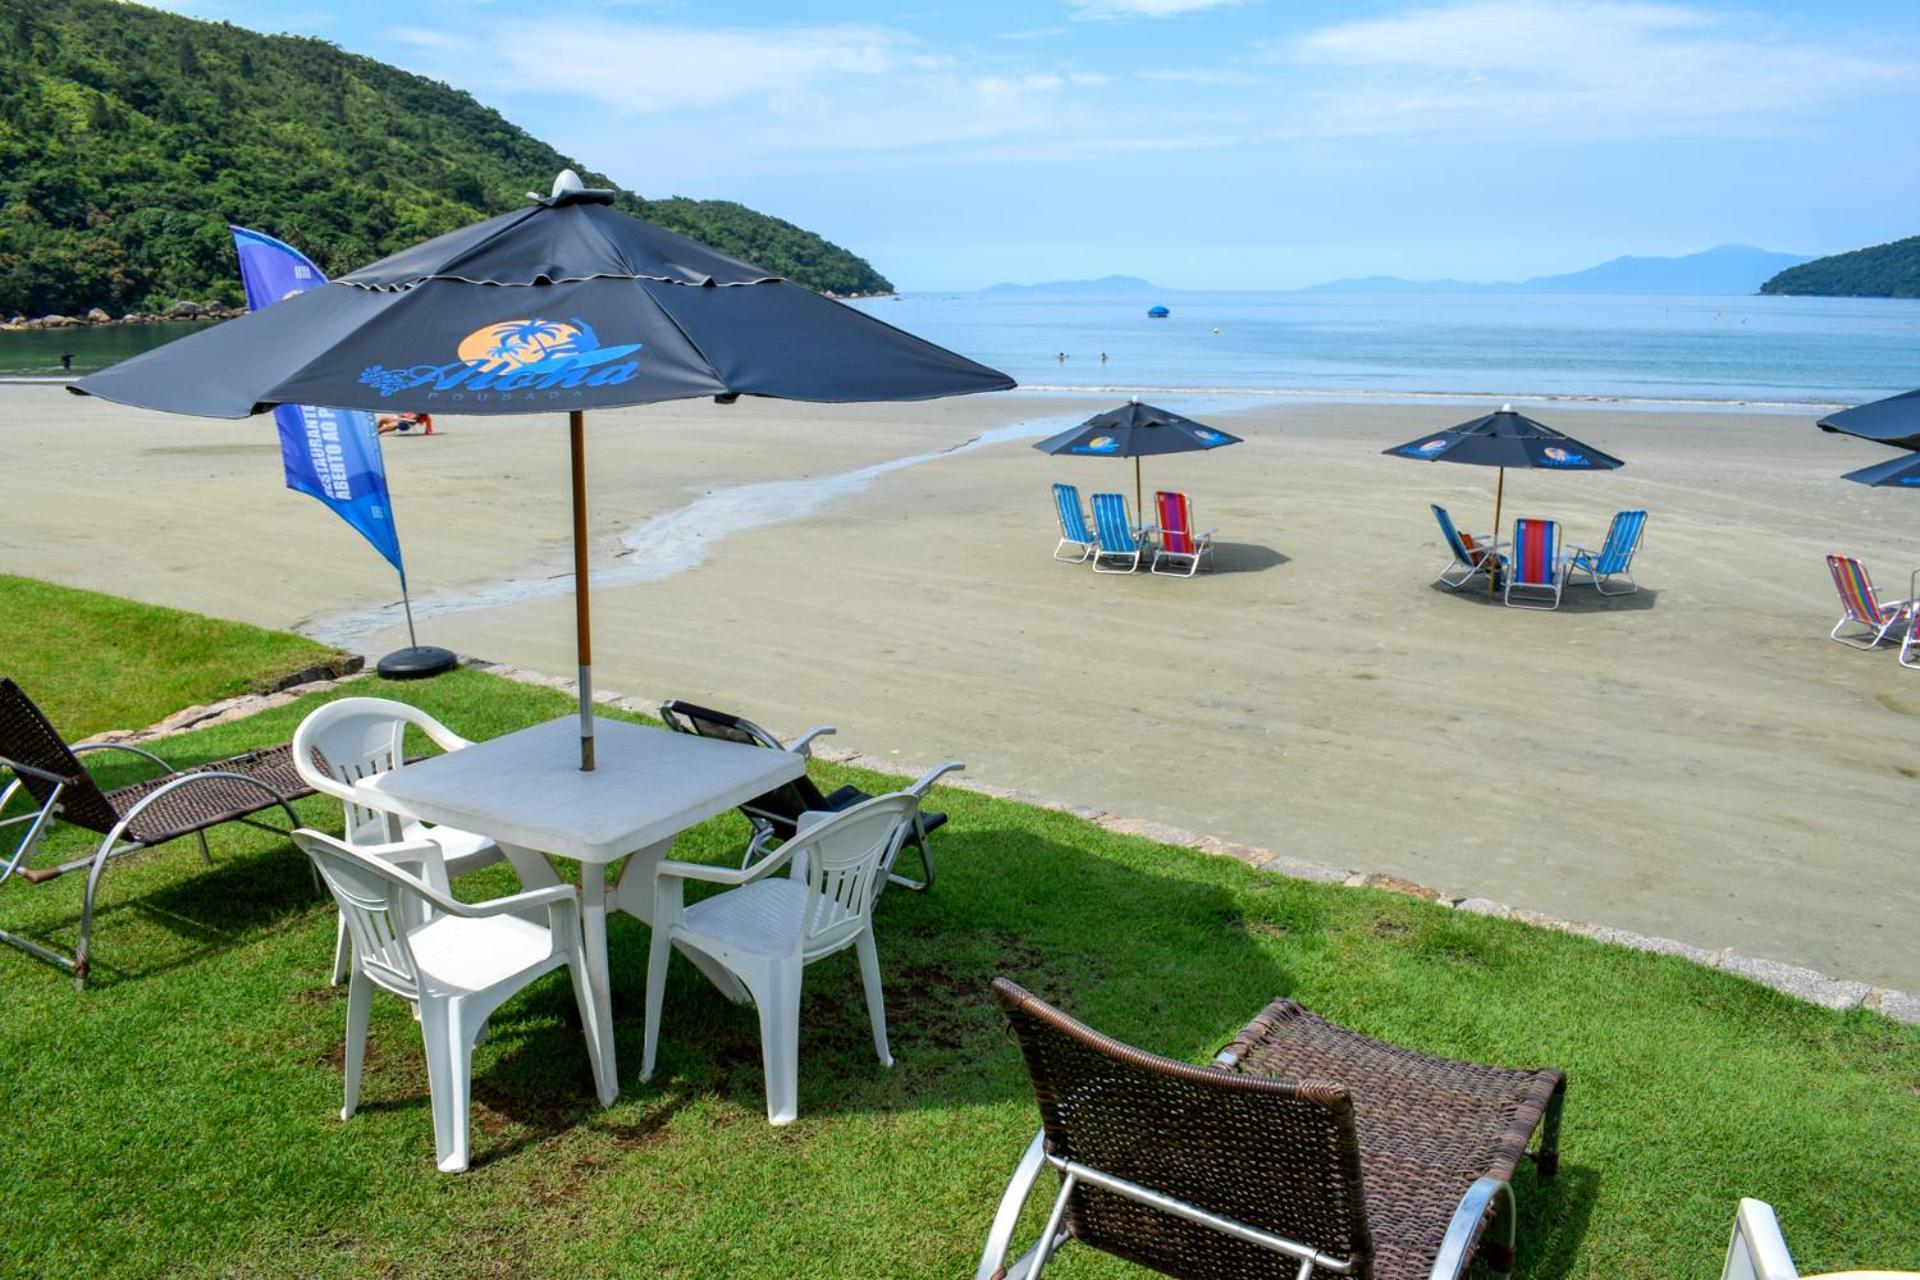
[1895, 420]
[564, 306]
[1136, 430]
[1895, 473]
[1506, 439]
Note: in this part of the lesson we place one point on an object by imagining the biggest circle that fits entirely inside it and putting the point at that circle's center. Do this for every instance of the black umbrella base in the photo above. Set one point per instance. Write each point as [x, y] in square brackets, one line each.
[417, 662]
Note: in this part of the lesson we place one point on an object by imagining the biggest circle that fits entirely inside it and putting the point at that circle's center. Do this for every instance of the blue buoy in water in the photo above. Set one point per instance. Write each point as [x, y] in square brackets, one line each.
[1158, 313]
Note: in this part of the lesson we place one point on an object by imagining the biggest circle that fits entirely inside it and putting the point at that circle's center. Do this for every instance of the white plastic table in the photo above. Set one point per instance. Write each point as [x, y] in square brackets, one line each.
[526, 791]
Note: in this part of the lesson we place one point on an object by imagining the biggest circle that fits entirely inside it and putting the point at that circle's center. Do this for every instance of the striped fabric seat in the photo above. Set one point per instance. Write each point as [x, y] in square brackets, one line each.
[1115, 531]
[1469, 556]
[1075, 538]
[1538, 570]
[1181, 549]
[1615, 557]
[1861, 607]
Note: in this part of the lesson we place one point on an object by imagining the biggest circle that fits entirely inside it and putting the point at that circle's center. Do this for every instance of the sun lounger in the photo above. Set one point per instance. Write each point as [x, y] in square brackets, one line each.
[1614, 559]
[1075, 537]
[776, 816]
[1304, 1150]
[1119, 536]
[1536, 566]
[184, 802]
[1179, 545]
[1860, 606]
[1471, 555]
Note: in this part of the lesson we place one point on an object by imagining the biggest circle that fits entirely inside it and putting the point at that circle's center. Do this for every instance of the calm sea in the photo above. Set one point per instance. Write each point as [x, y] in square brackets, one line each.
[1748, 349]
[1762, 350]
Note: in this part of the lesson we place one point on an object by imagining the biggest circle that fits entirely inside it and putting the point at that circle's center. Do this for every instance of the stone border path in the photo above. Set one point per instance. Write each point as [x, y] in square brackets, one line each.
[1793, 980]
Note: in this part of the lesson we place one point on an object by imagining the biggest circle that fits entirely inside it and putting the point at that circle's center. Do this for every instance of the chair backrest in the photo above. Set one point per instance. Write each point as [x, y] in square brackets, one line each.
[1856, 591]
[1176, 522]
[28, 738]
[1536, 552]
[1757, 1250]
[1281, 1156]
[1111, 522]
[1623, 539]
[1073, 520]
[843, 857]
[1457, 542]
[786, 802]
[354, 738]
[379, 903]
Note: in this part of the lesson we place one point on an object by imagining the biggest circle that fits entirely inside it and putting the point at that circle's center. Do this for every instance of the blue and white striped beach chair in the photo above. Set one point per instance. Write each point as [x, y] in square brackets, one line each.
[1615, 557]
[1118, 538]
[1471, 555]
[1075, 537]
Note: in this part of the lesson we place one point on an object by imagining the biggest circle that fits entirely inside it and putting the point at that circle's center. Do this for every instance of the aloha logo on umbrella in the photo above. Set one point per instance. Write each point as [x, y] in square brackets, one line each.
[1099, 444]
[1432, 446]
[1207, 435]
[1555, 456]
[510, 356]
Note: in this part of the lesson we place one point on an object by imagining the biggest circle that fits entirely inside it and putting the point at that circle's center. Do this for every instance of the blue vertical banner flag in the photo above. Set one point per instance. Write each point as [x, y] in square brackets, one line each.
[330, 454]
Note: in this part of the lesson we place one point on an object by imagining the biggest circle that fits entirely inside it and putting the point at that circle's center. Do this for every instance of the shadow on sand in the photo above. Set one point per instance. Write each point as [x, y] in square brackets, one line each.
[1575, 599]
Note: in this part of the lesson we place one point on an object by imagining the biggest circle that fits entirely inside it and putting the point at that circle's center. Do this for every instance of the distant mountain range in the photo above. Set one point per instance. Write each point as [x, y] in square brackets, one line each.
[1105, 284]
[1728, 269]
[1883, 271]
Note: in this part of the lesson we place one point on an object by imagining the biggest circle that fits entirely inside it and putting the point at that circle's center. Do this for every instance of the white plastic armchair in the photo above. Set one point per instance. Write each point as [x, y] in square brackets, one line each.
[354, 738]
[458, 962]
[765, 930]
[1758, 1251]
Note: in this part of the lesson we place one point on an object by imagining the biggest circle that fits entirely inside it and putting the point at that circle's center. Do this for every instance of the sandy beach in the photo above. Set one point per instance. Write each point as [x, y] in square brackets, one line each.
[1697, 761]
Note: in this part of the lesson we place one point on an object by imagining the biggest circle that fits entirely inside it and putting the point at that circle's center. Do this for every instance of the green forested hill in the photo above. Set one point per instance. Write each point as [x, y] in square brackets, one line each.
[129, 138]
[1884, 271]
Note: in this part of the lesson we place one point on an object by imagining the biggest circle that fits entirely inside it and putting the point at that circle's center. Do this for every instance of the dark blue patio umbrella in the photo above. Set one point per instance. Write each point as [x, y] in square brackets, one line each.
[1506, 439]
[1136, 430]
[1896, 421]
[563, 306]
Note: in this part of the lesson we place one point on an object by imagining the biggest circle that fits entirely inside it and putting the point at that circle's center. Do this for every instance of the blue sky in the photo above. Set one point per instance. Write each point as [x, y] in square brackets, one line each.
[1208, 143]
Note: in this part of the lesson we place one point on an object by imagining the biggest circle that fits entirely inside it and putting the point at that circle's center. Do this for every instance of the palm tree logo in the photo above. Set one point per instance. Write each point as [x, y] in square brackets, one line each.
[515, 344]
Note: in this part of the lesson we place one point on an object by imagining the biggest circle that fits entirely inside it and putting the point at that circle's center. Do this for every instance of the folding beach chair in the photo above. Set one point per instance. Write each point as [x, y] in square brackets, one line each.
[184, 802]
[1537, 568]
[1860, 606]
[776, 816]
[1471, 555]
[1178, 543]
[1118, 535]
[1305, 1150]
[1615, 557]
[1074, 534]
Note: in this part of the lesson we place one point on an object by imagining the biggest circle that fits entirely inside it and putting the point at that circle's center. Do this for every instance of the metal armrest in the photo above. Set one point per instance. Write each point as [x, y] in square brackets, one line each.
[993, 1258]
[803, 745]
[1451, 1261]
[85, 747]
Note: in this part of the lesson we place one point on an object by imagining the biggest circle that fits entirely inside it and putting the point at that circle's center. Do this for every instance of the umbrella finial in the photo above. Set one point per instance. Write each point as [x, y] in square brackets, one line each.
[1133, 399]
[567, 182]
[568, 189]
[1506, 408]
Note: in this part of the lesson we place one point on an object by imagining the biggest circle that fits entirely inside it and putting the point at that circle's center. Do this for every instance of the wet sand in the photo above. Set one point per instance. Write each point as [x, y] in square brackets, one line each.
[1696, 761]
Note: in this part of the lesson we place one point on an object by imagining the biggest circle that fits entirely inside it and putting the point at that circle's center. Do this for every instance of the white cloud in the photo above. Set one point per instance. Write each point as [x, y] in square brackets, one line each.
[1574, 69]
[1114, 9]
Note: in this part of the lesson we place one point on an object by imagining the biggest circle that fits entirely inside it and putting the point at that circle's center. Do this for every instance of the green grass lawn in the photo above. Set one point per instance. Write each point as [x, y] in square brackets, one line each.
[95, 662]
[181, 1115]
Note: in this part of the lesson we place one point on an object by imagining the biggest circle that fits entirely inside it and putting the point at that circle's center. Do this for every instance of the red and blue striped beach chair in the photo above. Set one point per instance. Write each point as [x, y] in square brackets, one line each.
[1614, 559]
[1861, 607]
[1074, 534]
[1538, 570]
[1179, 544]
[1471, 555]
[1119, 539]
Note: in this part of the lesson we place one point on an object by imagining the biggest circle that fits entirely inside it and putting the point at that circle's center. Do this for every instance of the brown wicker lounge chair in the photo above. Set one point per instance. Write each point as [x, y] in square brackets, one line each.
[182, 803]
[1307, 1149]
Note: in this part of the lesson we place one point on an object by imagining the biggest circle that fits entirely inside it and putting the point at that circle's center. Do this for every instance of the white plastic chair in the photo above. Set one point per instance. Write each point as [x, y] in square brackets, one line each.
[358, 738]
[1758, 1251]
[457, 963]
[765, 931]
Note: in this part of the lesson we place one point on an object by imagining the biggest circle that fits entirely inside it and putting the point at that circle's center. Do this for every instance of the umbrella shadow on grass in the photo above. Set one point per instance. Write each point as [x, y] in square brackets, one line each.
[1575, 599]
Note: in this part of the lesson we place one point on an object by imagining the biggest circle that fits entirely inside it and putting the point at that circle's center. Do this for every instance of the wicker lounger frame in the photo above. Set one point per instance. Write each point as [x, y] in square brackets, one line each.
[1259, 1166]
[179, 803]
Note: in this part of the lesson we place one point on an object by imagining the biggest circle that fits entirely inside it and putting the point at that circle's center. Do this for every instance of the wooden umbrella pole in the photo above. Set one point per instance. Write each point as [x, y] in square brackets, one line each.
[1139, 501]
[1499, 493]
[582, 624]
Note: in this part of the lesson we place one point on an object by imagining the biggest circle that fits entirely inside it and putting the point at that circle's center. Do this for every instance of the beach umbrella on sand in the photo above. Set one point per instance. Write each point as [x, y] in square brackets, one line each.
[564, 306]
[1505, 439]
[1135, 430]
[1896, 421]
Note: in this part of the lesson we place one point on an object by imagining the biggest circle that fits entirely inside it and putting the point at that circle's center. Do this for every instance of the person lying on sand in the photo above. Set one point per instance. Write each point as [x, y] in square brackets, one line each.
[404, 422]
